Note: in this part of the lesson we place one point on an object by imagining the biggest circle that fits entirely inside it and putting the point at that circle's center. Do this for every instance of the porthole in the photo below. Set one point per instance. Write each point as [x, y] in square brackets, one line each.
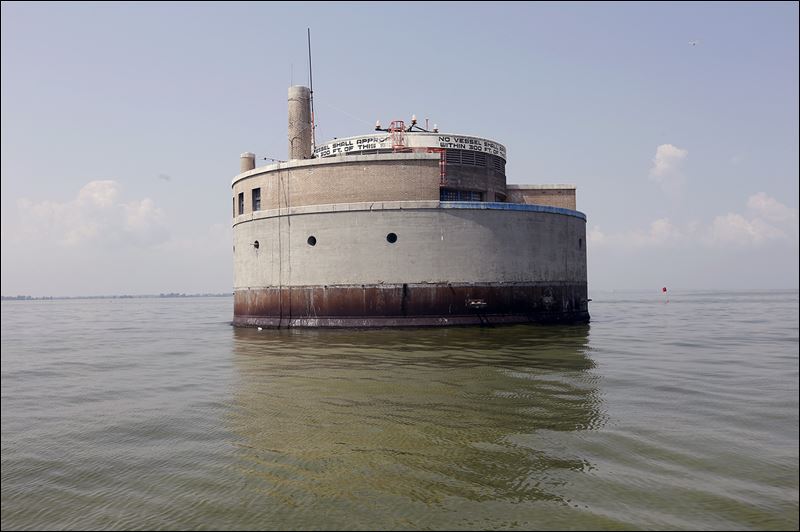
[312, 241]
[391, 238]
[255, 244]
[580, 243]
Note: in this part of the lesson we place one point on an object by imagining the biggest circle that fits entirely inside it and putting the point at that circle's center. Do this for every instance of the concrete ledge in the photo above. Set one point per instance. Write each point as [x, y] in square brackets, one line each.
[480, 205]
[339, 159]
[540, 187]
[404, 205]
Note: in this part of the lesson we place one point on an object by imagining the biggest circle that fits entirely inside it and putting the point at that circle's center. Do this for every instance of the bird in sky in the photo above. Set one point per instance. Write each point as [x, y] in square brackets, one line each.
[693, 43]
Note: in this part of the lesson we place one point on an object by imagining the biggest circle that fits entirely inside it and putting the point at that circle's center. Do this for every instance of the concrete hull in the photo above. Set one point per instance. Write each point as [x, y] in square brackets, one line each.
[447, 263]
[411, 305]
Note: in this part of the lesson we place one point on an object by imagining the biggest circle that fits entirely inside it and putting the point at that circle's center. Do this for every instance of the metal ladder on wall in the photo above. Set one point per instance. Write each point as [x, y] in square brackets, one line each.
[397, 130]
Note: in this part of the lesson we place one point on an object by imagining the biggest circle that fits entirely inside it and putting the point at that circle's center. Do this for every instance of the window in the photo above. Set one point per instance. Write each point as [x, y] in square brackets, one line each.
[450, 194]
[471, 195]
[312, 241]
[234, 206]
[446, 194]
[257, 199]
[391, 238]
[241, 202]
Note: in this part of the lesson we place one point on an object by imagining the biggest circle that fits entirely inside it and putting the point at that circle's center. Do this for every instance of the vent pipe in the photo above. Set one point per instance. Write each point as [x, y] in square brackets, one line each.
[247, 162]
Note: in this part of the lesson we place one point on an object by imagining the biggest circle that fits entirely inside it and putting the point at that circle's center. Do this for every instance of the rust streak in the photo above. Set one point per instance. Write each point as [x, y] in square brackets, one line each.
[410, 305]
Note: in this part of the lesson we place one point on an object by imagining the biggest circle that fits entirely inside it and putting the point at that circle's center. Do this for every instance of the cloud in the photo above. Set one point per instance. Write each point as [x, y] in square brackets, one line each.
[660, 232]
[100, 194]
[771, 209]
[765, 220]
[666, 169]
[735, 229]
[596, 236]
[97, 216]
[667, 160]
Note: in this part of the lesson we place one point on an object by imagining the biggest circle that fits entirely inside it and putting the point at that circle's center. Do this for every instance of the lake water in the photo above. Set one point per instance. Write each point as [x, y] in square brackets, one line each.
[678, 413]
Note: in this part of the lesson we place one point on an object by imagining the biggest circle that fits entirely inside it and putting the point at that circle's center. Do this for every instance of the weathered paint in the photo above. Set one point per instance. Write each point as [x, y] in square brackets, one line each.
[410, 305]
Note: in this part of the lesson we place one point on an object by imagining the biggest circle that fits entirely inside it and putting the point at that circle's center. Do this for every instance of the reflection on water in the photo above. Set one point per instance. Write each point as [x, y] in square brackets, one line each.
[156, 414]
[422, 415]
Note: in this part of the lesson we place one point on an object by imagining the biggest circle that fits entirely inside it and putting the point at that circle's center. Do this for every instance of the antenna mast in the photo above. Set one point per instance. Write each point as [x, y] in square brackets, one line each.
[311, 87]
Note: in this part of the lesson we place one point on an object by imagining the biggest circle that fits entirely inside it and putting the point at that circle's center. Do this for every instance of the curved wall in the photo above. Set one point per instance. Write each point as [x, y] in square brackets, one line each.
[383, 140]
[451, 263]
[486, 180]
[352, 179]
[362, 178]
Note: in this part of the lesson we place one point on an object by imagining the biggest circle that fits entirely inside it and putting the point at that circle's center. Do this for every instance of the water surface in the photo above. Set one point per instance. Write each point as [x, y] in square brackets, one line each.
[677, 413]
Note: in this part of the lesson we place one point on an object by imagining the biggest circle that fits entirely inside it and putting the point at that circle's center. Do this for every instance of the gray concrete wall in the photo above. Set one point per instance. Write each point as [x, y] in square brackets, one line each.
[434, 245]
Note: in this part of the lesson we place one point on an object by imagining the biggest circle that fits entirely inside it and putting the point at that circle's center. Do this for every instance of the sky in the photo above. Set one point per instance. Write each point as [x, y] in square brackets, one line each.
[122, 125]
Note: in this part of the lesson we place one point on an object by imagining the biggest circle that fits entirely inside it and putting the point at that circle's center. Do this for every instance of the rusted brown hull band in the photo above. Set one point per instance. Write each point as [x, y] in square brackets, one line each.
[410, 305]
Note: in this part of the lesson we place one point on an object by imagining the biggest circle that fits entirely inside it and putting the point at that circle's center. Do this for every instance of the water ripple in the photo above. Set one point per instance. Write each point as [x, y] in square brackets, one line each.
[156, 414]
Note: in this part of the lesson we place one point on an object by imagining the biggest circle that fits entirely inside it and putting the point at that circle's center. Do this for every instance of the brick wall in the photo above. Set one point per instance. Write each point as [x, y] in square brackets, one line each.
[343, 182]
[553, 195]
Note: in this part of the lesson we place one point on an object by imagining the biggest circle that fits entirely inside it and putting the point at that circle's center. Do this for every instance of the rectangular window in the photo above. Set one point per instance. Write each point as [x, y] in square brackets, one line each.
[256, 199]
[241, 202]
[446, 194]
[449, 194]
[471, 195]
[234, 206]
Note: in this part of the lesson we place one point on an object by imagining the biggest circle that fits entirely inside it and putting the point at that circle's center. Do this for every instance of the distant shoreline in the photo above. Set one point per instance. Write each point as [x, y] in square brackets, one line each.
[230, 294]
[124, 296]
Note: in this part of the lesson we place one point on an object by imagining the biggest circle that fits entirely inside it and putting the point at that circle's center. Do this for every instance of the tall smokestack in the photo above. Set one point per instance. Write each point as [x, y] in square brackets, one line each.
[299, 122]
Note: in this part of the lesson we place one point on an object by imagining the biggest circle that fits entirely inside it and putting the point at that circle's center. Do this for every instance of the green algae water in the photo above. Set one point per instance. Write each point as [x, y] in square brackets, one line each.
[677, 413]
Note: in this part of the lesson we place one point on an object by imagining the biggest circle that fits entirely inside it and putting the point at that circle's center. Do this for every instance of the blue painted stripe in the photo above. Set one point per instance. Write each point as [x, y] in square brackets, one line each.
[495, 206]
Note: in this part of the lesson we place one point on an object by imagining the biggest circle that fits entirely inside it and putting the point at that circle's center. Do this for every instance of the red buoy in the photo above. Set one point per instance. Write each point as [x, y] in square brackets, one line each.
[664, 289]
